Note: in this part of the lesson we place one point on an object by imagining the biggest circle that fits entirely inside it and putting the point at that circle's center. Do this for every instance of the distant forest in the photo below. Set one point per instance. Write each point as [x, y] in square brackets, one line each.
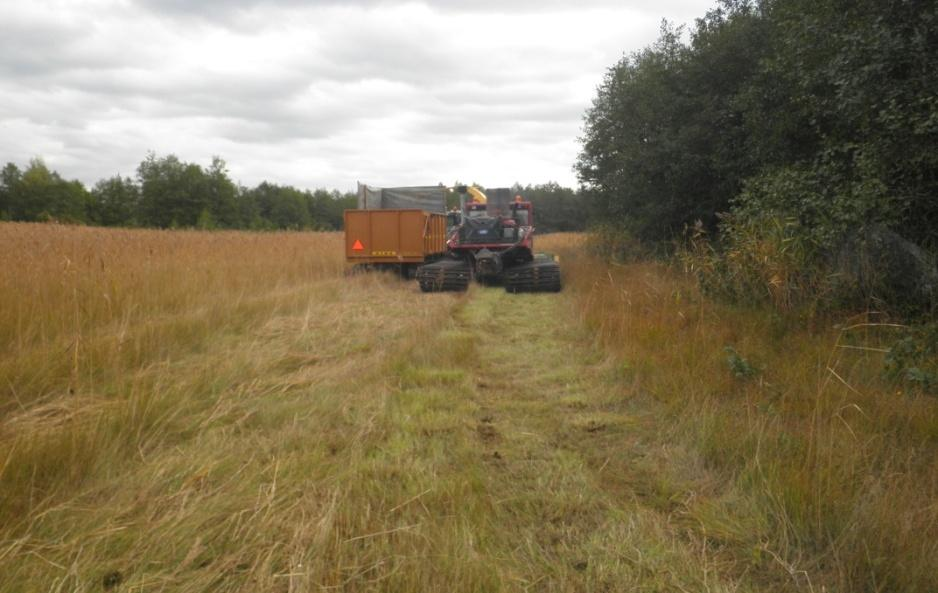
[170, 193]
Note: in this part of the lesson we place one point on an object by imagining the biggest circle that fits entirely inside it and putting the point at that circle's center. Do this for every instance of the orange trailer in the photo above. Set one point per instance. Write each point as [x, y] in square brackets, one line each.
[403, 238]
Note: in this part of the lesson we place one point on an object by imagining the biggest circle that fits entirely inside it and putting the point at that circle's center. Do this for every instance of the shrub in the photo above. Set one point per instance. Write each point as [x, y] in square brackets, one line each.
[775, 261]
[739, 366]
[914, 358]
[759, 261]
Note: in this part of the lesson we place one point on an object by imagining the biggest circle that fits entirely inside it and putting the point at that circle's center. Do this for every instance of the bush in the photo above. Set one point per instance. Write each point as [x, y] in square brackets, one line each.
[914, 359]
[759, 261]
[781, 262]
[825, 201]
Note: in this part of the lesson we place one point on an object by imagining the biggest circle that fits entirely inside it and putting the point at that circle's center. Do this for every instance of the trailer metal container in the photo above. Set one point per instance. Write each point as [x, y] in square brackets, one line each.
[403, 237]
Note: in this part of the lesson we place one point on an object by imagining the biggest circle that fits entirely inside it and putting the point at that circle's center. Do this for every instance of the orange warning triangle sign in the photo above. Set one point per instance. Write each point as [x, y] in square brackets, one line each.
[357, 246]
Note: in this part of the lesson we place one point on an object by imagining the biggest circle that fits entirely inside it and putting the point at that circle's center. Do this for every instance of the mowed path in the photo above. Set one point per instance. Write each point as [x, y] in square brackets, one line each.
[558, 452]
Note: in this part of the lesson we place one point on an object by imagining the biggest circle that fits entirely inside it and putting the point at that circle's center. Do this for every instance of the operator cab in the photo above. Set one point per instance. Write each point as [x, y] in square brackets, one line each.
[518, 211]
[521, 213]
[494, 219]
[476, 210]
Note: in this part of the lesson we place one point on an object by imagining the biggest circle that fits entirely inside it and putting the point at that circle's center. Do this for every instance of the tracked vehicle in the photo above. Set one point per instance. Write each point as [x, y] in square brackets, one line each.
[493, 243]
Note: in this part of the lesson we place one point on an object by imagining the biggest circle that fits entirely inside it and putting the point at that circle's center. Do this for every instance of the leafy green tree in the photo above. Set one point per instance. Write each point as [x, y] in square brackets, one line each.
[206, 221]
[175, 193]
[341, 201]
[626, 145]
[115, 201]
[860, 115]
[10, 178]
[327, 207]
[820, 111]
[282, 207]
[170, 192]
[664, 141]
[222, 195]
[556, 208]
[41, 194]
[249, 213]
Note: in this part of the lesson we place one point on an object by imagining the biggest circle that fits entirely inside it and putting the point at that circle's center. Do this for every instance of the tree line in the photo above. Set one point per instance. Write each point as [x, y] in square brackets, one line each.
[170, 193]
[167, 193]
[557, 209]
[823, 113]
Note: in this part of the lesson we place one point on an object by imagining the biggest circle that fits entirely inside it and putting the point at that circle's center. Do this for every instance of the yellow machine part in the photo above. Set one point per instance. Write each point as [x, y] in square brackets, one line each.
[477, 194]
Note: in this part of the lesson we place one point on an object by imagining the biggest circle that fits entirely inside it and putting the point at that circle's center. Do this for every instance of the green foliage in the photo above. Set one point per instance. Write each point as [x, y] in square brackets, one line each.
[859, 138]
[221, 193]
[284, 207]
[171, 193]
[814, 122]
[38, 193]
[664, 142]
[791, 267]
[115, 201]
[327, 207]
[914, 358]
[767, 260]
[556, 208]
[10, 177]
[206, 221]
[739, 366]
[828, 200]
[175, 193]
[168, 193]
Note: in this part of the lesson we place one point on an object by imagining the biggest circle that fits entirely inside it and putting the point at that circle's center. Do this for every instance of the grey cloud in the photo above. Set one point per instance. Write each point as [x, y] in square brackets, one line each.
[222, 8]
[315, 93]
[34, 49]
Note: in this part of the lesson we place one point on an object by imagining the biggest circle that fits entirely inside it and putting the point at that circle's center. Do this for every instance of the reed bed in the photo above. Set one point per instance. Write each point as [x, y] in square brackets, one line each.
[820, 469]
[94, 321]
[79, 304]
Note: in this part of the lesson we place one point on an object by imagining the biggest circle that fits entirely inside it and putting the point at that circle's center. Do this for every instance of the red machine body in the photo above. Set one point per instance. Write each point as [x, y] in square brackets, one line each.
[493, 242]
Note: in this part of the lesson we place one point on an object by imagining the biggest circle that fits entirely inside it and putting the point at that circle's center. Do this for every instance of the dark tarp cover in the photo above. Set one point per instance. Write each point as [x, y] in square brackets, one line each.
[498, 201]
[431, 198]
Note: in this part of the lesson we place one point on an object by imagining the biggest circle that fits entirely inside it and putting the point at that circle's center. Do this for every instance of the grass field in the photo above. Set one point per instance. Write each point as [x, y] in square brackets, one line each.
[187, 411]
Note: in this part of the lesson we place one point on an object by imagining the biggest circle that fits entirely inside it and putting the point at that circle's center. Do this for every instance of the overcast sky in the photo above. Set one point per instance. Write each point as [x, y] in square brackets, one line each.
[314, 93]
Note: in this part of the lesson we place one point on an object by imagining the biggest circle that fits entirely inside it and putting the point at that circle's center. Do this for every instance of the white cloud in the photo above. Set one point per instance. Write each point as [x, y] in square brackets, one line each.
[313, 94]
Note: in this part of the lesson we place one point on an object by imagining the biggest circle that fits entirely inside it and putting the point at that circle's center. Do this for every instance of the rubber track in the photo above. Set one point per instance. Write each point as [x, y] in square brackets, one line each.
[444, 275]
[535, 276]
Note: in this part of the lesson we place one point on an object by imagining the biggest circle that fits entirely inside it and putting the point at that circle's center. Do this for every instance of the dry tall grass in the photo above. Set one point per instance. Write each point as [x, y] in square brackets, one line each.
[178, 407]
[226, 411]
[80, 305]
[818, 473]
[279, 427]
